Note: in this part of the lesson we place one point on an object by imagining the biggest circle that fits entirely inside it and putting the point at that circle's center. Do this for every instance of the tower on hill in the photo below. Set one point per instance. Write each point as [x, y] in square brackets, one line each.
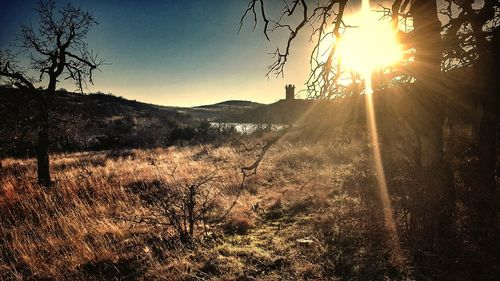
[290, 92]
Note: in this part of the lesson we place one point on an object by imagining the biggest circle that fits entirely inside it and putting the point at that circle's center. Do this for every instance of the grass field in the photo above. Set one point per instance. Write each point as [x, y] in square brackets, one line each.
[309, 213]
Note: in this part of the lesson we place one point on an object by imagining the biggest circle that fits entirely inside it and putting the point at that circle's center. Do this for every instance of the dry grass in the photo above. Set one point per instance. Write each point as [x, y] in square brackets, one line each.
[81, 229]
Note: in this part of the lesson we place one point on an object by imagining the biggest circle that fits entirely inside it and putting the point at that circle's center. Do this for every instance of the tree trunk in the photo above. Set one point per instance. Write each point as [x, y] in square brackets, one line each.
[430, 99]
[488, 150]
[437, 188]
[42, 152]
[42, 155]
[491, 102]
[485, 190]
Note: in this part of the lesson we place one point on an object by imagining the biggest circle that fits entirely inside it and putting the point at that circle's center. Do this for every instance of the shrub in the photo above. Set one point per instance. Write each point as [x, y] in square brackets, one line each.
[182, 205]
[238, 224]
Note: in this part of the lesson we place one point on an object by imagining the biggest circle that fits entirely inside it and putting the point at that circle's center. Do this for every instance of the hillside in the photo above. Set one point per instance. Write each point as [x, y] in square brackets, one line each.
[220, 111]
[300, 111]
[392, 105]
[280, 112]
[103, 121]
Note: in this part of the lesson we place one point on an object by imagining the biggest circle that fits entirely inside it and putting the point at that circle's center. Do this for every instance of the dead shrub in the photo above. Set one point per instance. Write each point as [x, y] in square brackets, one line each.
[238, 224]
[181, 204]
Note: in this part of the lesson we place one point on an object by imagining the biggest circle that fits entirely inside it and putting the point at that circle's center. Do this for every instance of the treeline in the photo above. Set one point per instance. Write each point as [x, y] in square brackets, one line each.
[96, 122]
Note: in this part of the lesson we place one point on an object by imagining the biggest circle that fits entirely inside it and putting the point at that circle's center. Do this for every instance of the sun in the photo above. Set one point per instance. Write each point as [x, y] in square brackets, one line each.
[369, 46]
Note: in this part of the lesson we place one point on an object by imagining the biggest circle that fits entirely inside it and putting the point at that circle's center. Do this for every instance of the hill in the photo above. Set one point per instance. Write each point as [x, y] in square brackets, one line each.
[103, 121]
[280, 112]
[220, 111]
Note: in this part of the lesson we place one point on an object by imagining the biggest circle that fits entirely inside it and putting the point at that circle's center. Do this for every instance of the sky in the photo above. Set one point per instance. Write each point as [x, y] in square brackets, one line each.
[180, 53]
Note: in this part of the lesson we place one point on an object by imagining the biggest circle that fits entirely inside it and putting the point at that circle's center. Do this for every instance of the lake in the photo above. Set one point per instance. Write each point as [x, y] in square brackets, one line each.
[246, 128]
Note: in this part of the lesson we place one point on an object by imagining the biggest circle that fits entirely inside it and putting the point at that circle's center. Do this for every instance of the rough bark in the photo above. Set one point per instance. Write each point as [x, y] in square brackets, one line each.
[437, 189]
[486, 184]
[43, 141]
[42, 152]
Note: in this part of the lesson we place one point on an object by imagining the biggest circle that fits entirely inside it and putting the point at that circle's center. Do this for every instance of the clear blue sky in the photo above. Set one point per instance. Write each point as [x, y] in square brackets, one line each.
[174, 52]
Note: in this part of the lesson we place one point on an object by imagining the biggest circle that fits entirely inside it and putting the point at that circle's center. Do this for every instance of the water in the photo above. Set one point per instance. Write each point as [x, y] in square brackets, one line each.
[246, 128]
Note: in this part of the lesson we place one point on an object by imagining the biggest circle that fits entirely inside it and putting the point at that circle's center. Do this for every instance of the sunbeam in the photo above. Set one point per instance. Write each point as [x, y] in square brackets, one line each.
[372, 46]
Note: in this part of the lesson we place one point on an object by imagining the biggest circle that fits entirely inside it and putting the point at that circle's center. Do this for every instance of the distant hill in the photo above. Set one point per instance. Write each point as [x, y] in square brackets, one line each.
[280, 112]
[341, 110]
[220, 111]
[101, 121]
[394, 108]
[230, 103]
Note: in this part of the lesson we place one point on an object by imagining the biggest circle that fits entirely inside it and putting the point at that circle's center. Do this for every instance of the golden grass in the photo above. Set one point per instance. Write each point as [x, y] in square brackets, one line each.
[79, 229]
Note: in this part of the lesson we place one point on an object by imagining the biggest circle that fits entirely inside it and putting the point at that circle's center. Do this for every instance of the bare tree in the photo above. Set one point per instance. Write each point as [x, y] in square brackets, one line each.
[472, 41]
[55, 48]
[296, 16]
[432, 227]
[326, 19]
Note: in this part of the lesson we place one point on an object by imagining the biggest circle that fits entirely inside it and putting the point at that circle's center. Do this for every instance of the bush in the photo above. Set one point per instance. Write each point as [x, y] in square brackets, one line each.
[183, 205]
[238, 224]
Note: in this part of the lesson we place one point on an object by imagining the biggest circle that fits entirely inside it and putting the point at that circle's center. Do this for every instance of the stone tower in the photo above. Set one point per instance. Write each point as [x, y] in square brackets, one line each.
[290, 91]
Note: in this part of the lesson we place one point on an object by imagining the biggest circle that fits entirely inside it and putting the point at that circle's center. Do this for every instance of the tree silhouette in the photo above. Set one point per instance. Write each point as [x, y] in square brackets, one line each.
[470, 42]
[324, 75]
[55, 49]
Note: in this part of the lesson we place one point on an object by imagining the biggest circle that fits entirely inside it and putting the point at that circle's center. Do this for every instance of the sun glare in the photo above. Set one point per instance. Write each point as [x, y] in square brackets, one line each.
[370, 45]
[365, 49]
